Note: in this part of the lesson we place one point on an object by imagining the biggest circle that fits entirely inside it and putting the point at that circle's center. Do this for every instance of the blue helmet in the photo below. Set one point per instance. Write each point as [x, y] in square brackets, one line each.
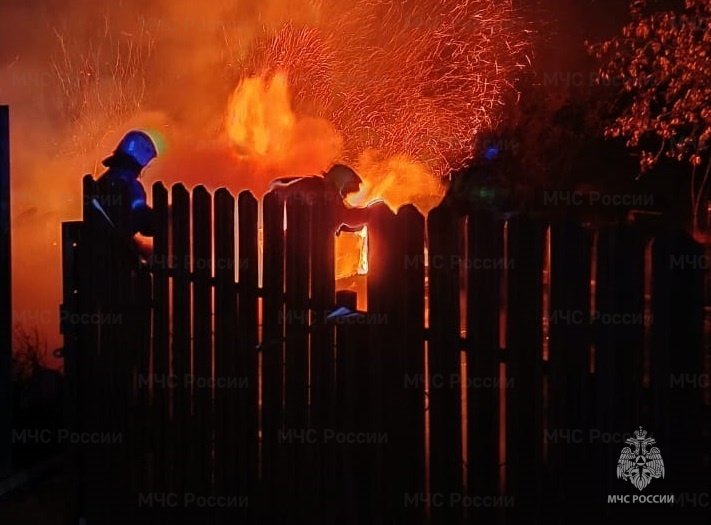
[137, 146]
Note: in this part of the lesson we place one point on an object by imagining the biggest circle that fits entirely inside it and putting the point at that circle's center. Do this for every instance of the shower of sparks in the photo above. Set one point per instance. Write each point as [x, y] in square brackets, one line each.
[418, 78]
[103, 82]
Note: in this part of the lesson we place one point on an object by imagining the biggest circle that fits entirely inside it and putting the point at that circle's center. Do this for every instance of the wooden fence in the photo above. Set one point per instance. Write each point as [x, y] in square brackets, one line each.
[490, 380]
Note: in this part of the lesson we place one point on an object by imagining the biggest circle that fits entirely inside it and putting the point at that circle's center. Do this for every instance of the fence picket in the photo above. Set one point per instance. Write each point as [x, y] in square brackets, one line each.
[298, 249]
[161, 339]
[247, 354]
[524, 364]
[180, 328]
[225, 343]
[272, 351]
[445, 407]
[202, 421]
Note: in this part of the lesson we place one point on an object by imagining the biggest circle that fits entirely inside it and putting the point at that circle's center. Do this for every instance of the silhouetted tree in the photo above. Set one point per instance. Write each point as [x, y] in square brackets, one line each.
[661, 67]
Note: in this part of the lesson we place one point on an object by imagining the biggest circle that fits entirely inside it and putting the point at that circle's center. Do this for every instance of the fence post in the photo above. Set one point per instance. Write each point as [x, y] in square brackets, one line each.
[5, 295]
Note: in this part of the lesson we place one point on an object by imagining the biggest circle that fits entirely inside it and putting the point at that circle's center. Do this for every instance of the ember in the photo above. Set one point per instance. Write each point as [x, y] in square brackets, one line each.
[396, 90]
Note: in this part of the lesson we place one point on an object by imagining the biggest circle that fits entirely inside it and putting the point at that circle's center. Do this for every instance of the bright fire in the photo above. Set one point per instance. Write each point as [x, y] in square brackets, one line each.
[259, 119]
[263, 128]
[398, 90]
[413, 79]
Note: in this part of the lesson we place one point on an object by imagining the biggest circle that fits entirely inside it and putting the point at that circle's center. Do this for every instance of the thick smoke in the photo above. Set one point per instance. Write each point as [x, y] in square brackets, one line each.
[78, 74]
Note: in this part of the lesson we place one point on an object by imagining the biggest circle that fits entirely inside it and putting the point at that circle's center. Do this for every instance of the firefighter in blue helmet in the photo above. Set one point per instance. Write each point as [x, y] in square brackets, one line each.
[135, 151]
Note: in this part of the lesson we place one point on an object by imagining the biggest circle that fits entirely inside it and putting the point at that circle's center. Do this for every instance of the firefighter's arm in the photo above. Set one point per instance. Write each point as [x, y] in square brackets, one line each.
[142, 215]
[352, 219]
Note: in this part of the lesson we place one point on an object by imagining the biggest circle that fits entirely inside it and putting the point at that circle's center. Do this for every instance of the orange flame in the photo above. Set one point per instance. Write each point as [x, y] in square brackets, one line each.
[397, 90]
[264, 129]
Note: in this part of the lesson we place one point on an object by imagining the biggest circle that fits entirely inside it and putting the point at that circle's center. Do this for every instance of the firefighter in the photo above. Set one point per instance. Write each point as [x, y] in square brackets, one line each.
[135, 151]
[481, 186]
[333, 187]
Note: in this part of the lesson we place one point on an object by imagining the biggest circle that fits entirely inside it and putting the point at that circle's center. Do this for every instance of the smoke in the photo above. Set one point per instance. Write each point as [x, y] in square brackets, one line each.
[78, 74]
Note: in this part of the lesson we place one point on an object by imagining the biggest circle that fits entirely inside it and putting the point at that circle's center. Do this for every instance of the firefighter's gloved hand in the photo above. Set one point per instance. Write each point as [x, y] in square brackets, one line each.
[349, 229]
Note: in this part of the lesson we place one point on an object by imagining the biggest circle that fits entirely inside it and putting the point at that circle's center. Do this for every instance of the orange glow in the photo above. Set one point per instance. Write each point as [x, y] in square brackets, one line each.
[396, 180]
[242, 93]
[265, 131]
[267, 134]
[259, 117]
[415, 79]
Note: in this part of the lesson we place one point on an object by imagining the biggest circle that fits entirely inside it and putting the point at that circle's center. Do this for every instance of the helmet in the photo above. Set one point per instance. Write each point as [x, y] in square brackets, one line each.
[344, 178]
[136, 146]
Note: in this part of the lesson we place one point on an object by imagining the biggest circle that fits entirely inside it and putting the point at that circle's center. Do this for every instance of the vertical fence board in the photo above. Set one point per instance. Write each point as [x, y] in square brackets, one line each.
[618, 336]
[570, 402]
[180, 327]
[322, 387]
[677, 379]
[161, 339]
[524, 360]
[272, 348]
[72, 246]
[385, 286]
[140, 413]
[298, 249]
[202, 422]
[353, 365]
[247, 357]
[225, 351]
[87, 348]
[483, 261]
[445, 457]
[412, 316]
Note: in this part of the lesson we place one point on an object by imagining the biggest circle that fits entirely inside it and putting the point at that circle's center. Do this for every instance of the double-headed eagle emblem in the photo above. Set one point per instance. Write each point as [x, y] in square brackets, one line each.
[641, 463]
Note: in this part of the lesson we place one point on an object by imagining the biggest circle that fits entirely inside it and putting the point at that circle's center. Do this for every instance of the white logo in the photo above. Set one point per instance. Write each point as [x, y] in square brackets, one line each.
[640, 464]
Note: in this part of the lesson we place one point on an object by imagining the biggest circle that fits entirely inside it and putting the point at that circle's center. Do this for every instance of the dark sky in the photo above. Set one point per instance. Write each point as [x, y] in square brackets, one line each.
[564, 25]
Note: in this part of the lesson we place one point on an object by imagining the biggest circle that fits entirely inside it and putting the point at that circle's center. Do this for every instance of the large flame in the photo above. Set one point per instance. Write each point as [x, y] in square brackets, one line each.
[264, 129]
[396, 89]
[413, 79]
[260, 120]
[404, 86]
